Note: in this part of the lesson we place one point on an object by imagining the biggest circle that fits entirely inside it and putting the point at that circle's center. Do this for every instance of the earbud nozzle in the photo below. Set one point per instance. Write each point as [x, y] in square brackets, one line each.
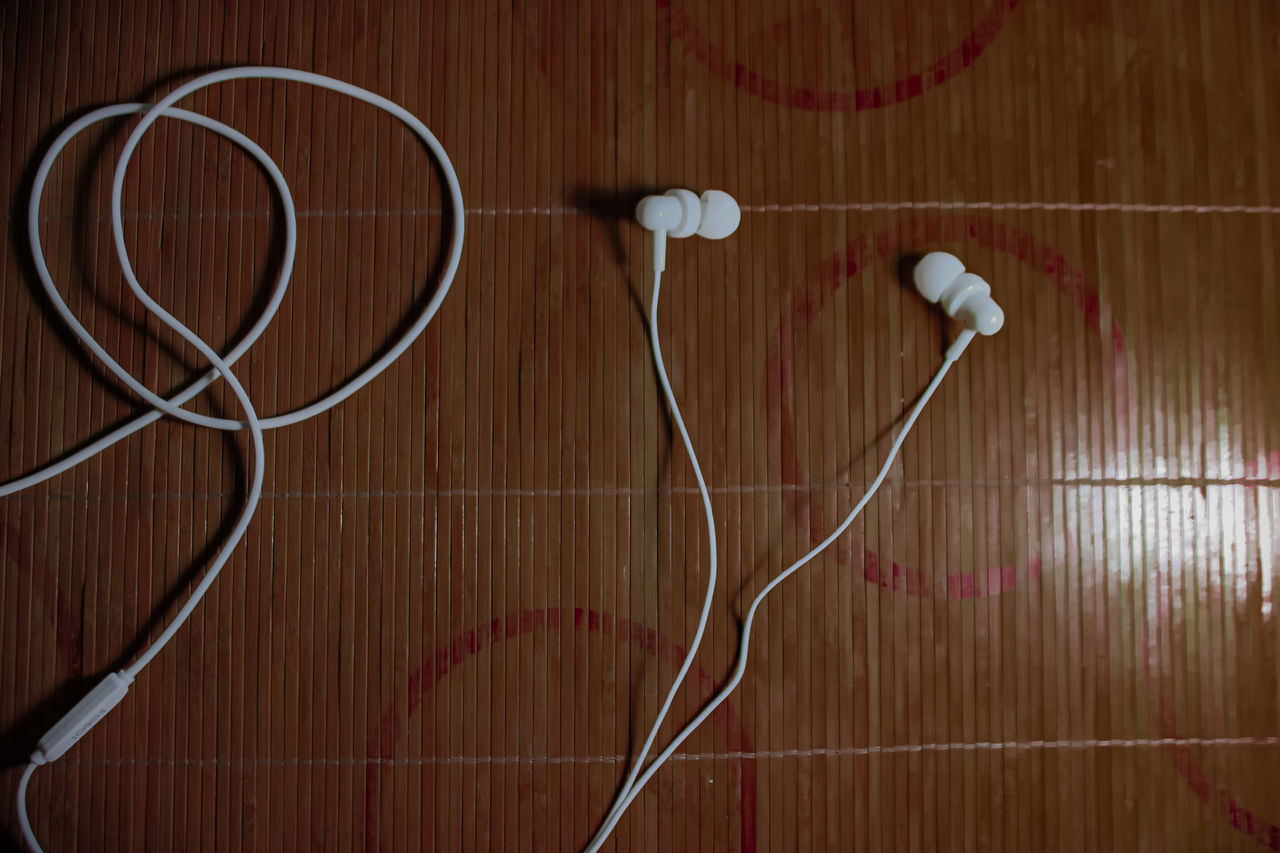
[983, 315]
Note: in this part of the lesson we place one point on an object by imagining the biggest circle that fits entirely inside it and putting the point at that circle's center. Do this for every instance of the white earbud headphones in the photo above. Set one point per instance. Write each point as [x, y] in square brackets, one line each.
[680, 213]
[113, 688]
[939, 277]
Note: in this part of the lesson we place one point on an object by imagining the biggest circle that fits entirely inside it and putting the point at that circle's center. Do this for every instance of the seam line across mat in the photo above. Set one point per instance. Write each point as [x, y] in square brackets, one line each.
[799, 207]
[979, 746]
[611, 491]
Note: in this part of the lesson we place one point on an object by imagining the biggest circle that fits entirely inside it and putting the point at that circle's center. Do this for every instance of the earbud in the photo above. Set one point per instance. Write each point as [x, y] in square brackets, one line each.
[940, 278]
[680, 213]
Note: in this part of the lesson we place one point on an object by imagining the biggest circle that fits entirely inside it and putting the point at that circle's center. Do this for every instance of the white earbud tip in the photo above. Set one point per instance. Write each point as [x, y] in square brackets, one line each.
[936, 272]
[720, 215]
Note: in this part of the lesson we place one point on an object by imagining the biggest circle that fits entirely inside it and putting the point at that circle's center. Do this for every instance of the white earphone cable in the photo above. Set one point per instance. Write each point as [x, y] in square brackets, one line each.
[112, 689]
[28, 836]
[173, 406]
[664, 381]
[634, 785]
[109, 692]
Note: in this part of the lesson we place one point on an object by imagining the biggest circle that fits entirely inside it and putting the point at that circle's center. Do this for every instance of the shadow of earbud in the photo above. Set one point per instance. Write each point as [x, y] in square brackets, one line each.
[905, 263]
[616, 209]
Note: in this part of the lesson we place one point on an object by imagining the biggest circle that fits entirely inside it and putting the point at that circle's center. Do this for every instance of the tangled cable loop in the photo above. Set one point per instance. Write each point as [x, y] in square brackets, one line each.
[80, 719]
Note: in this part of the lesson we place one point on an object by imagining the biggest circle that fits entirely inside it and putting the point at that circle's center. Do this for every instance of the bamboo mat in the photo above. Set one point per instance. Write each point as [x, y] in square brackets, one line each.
[468, 586]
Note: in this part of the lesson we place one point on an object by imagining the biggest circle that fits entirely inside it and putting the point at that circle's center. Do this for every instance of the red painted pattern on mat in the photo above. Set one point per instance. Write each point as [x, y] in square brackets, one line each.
[1071, 282]
[814, 295]
[68, 642]
[421, 681]
[1203, 785]
[1270, 462]
[870, 98]
[954, 586]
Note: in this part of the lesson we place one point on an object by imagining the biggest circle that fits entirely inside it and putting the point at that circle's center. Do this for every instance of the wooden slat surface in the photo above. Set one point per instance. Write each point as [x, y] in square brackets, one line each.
[468, 586]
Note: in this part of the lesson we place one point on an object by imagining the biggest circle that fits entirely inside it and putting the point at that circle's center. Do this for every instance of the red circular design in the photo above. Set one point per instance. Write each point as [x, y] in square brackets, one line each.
[468, 644]
[916, 83]
[1069, 281]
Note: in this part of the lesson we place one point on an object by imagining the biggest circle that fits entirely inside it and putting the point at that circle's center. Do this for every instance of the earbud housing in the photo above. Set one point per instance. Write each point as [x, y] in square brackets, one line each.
[679, 213]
